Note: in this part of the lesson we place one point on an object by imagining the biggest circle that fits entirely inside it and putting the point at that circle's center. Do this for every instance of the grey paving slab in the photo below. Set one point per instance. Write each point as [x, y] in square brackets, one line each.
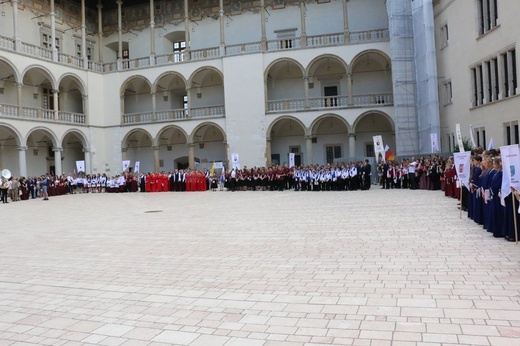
[374, 267]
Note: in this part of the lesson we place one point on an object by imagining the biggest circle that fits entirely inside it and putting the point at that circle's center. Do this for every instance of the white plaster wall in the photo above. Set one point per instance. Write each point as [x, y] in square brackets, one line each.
[213, 95]
[282, 19]
[243, 28]
[317, 14]
[281, 89]
[367, 15]
[206, 34]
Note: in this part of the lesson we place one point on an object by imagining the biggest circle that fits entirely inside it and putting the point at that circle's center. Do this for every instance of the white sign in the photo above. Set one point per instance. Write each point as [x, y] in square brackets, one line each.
[137, 166]
[459, 138]
[379, 147]
[219, 165]
[126, 164]
[462, 165]
[80, 166]
[291, 160]
[511, 169]
[235, 163]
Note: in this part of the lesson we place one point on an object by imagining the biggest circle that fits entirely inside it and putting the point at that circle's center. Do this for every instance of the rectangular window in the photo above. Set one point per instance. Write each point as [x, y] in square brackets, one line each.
[505, 73]
[444, 36]
[514, 79]
[487, 15]
[448, 93]
[508, 135]
[46, 40]
[475, 86]
[178, 51]
[332, 152]
[369, 150]
[511, 133]
[286, 38]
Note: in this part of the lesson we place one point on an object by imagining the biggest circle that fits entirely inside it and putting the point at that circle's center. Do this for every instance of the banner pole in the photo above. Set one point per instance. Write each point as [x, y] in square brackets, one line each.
[514, 216]
[460, 200]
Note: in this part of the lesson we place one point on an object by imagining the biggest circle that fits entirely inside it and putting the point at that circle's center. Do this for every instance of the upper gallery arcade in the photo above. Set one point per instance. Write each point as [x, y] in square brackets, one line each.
[176, 83]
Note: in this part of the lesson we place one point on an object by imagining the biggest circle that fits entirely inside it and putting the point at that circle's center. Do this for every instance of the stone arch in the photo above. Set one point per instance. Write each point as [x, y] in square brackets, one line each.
[204, 70]
[281, 60]
[317, 122]
[45, 71]
[132, 132]
[76, 78]
[372, 123]
[79, 134]
[174, 129]
[131, 79]
[191, 137]
[314, 64]
[17, 77]
[362, 54]
[18, 137]
[47, 131]
[277, 121]
[166, 74]
[372, 112]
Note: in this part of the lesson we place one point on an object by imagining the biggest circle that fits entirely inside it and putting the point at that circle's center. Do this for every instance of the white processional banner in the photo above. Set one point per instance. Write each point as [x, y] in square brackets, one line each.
[137, 167]
[462, 165]
[291, 160]
[459, 138]
[235, 163]
[80, 166]
[511, 169]
[126, 164]
[219, 165]
[379, 148]
[434, 143]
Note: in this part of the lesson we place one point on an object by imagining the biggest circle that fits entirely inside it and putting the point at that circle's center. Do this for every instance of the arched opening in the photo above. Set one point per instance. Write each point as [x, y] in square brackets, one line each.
[287, 135]
[284, 86]
[209, 141]
[8, 94]
[330, 140]
[40, 152]
[138, 146]
[71, 95]
[40, 99]
[207, 94]
[372, 124]
[137, 97]
[74, 146]
[171, 98]
[328, 85]
[371, 80]
[9, 142]
[172, 145]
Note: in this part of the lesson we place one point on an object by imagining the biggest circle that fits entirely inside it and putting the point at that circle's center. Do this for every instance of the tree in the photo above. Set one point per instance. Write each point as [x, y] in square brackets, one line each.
[466, 144]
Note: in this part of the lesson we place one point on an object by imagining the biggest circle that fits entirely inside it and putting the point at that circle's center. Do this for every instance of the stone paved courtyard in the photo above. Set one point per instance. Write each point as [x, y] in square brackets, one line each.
[254, 268]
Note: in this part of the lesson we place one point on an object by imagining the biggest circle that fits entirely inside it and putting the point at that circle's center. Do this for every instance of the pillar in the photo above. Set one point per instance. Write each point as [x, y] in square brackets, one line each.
[346, 31]
[304, 30]
[154, 106]
[485, 82]
[55, 103]
[53, 33]
[268, 152]
[15, 26]
[124, 154]
[351, 145]
[306, 88]
[22, 160]
[155, 149]
[88, 161]
[83, 36]
[349, 90]
[85, 105]
[152, 33]
[191, 155]
[510, 70]
[501, 78]
[19, 89]
[122, 104]
[188, 95]
[222, 27]
[308, 147]
[57, 160]
[187, 54]
[262, 16]
[119, 34]
[100, 30]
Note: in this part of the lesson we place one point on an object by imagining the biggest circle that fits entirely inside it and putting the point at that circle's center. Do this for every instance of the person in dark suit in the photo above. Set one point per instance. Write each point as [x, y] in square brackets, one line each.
[367, 175]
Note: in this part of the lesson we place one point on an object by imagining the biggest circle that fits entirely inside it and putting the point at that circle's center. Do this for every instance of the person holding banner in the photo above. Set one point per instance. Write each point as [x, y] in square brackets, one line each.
[474, 186]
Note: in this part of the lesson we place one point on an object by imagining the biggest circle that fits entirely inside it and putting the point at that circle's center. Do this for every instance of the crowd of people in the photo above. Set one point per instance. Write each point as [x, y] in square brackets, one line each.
[481, 199]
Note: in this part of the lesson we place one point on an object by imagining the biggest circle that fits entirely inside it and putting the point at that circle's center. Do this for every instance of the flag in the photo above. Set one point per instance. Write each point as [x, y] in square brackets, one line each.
[291, 160]
[459, 138]
[462, 165]
[434, 143]
[212, 169]
[511, 170]
[80, 165]
[126, 164]
[388, 152]
[137, 167]
[491, 145]
[471, 136]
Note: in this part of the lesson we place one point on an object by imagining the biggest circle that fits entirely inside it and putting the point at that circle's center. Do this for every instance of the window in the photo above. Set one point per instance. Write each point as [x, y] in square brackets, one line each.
[369, 150]
[444, 36]
[487, 15]
[47, 39]
[178, 51]
[332, 153]
[448, 93]
[48, 99]
[509, 73]
[450, 148]
[88, 51]
[481, 136]
[511, 133]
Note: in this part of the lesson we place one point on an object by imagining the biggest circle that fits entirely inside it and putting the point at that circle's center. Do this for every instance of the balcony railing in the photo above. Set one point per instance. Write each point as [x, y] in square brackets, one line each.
[12, 111]
[376, 35]
[173, 115]
[328, 102]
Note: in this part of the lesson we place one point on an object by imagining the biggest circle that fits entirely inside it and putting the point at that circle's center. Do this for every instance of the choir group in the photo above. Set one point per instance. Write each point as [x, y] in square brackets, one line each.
[481, 199]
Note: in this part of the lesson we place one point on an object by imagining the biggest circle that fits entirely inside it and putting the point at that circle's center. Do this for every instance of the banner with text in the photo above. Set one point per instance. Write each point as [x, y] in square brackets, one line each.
[462, 165]
[459, 138]
[126, 164]
[511, 169]
[80, 166]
